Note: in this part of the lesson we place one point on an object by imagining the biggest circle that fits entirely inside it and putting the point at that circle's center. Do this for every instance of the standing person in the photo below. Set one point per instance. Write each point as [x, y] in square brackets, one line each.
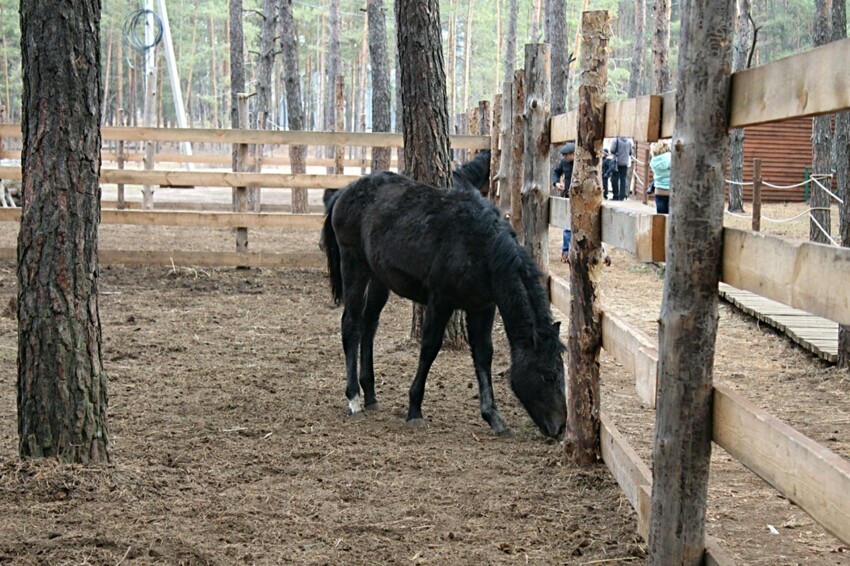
[623, 151]
[609, 172]
[660, 158]
[562, 175]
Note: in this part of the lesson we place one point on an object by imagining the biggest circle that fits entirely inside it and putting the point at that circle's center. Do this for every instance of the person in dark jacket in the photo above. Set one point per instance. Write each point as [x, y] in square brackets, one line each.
[562, 173]
[623, 151]
[609, 170]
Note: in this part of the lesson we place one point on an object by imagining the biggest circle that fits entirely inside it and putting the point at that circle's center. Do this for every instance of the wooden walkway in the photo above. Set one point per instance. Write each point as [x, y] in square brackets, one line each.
[815, 334]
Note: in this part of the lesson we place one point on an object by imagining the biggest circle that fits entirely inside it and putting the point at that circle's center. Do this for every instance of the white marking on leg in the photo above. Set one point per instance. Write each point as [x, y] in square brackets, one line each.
[354, 405]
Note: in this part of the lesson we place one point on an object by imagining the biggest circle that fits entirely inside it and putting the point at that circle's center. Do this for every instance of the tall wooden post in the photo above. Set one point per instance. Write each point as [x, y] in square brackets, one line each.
[646, 172]
[240, 200]
[585, 340]
[121, 204]
[506, 147]
[756, 195]
[535, 186]
[339, 150]
[689, 308]
[517, 151]
[495, 148]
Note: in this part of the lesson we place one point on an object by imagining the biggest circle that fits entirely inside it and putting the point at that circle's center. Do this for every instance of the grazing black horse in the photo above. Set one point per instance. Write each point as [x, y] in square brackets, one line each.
[446, 249]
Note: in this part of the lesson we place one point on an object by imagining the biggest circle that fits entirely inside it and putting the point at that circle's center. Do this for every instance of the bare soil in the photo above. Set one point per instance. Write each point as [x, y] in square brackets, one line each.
[230, 442]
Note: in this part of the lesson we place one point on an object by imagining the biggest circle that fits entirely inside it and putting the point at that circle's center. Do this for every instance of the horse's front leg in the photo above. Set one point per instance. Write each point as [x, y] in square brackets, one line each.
[479, 326]
[433, 326]
[355, 277]
[376, 298]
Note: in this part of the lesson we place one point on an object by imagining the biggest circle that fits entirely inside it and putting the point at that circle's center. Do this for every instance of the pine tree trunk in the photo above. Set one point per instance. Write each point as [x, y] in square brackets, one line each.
[739, 61]
[841, 164]
[381, 156]
[264, 90]
[689, 309]
[237, 73]
[819, 224]
[423, 85]
[585, 338]
[467, 53]
[294, 112]
[638, 46]
[661, 45]
[556, 36]
[214, 64]
[510, 41]
[62, 397]
[332, 71]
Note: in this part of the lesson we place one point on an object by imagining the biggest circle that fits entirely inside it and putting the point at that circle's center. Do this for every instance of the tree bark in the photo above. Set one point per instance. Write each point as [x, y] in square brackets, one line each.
[381, 118]
[294, 112]
[661, 45]
[495, 125]
[585, 338]
[264, 90]
[841, 164]
[689, 312]
[214, 63]
[819, 224]
[556, 36]
[536, 169]
[517, 151]
[333, 70]
[62, 396]
[510, 41]
[638, 48]
[739, 61]
[467, 53]
[425, 112]
[503, 177]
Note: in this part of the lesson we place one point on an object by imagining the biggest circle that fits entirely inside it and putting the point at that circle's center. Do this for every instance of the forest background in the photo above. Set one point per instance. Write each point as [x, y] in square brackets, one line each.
[473, 44]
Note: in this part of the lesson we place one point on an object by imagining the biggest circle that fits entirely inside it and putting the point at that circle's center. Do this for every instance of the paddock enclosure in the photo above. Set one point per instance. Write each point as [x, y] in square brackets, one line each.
[227, 412]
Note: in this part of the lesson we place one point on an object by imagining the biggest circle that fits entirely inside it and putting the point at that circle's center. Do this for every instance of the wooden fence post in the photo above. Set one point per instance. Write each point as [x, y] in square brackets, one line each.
[494, 125]
[339, 151]
[689, 310]
[585, 338]
[517, 151]
[506, 147]
[646, 171]
[240, 194]
[756, 195]
[535, 185]
[121, 204]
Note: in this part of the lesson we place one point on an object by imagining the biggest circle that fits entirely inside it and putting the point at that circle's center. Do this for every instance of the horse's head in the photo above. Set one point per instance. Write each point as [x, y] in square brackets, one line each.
[474, 175]
[537, 379]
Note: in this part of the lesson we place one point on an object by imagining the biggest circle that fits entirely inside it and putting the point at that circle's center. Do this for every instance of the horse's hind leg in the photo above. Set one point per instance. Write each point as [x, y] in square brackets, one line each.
[376, 298]
[479, 325]
[433, 326]
[355, 276]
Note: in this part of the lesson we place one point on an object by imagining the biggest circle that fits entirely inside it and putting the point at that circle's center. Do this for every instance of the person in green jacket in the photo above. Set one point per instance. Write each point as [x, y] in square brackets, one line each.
[660, 165]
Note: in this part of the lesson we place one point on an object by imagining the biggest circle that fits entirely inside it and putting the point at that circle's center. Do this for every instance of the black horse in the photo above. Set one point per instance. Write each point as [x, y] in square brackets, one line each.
[445, 249]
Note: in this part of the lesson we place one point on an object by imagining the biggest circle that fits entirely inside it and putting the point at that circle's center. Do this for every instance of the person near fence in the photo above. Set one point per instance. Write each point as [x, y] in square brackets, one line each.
[660, 159]
[609, 170]
[562, 175]
[623, 150]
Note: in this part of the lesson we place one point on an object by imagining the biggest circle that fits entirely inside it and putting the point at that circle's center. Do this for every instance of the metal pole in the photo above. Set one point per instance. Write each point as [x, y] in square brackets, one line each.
[173, 76]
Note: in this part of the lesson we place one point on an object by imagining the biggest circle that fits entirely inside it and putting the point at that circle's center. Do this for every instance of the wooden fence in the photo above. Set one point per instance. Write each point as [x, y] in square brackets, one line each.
[802, 275]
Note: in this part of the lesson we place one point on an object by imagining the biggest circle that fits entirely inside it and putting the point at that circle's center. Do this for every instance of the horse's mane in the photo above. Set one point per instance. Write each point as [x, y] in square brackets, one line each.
[472, 174]
[507, 256]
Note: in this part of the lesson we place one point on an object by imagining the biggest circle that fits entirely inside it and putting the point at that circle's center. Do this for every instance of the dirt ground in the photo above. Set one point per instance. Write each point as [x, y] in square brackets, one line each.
[230, 442]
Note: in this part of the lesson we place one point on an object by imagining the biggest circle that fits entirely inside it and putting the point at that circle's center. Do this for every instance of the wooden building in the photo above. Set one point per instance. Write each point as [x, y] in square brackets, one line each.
[785, 150]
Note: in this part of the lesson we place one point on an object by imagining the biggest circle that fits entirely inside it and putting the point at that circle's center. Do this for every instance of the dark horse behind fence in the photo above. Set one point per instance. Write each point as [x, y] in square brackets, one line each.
[448, 250]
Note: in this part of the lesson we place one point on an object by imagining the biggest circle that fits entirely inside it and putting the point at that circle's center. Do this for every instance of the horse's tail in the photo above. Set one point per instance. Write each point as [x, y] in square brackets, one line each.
[331, 248]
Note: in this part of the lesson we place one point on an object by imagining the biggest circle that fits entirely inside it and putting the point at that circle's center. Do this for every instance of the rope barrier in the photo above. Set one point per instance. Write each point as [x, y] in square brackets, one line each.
[830, 193]
[775, 220]
[824, 232]
[800, 184]
[739, 183]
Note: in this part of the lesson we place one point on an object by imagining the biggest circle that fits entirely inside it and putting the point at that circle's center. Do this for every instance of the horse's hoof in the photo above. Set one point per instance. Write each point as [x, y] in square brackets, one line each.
[373, 406]
[504, 433]
[416, 423]
[358, 416]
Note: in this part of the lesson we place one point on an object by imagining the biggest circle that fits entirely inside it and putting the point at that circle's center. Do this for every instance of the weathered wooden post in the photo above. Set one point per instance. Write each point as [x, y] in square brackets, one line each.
[121, 204]
[646, 172]
[517, 151]
[505, 147]
[535, 185]
[339, 150]
[585, 339]
[756, 195]
[494, 129]
[689, 308]
[240, 194]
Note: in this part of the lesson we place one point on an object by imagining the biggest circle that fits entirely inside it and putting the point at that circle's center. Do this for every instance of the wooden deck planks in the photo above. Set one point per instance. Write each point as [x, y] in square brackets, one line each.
[815, 334]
